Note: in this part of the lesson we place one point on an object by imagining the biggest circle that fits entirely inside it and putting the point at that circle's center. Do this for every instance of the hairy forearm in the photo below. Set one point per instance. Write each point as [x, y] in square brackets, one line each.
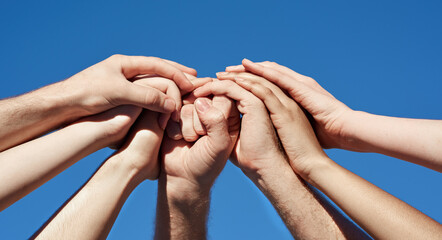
[30, 115]
[181, 211]
[27, 166]
[91, 213]
[414, 140]
[382, 215]
[299, 208]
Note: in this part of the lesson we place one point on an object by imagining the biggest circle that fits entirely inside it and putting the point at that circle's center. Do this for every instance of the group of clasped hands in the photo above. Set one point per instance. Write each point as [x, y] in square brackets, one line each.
[167, 124]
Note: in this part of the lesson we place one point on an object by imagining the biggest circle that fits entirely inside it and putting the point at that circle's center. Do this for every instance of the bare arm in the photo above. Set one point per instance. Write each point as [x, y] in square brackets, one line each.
[382, 215]
[91, 213]
[415, 140]
[337, 126]
[93, 90]
[379, 213]
[304, 214]
[190, 169]
[259, 156]
[26, 167]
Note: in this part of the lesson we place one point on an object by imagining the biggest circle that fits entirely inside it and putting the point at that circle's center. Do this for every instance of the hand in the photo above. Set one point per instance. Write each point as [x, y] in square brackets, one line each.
[294, 130]
[105, 85]
[257, 148]
[195, 166]
[329, 114]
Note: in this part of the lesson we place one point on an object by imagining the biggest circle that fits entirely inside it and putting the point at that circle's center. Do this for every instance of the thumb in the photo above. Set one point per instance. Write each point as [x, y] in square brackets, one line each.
[215, 123]
[147, 97]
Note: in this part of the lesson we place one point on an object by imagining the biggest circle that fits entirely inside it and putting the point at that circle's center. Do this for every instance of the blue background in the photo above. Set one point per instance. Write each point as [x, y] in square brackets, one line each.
[384, 57]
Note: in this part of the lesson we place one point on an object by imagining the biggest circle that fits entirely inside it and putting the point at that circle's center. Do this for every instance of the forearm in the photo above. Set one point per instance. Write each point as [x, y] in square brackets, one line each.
[414, 140]
[30, 115]
[382, 215]
[304, 215]
[181, 211]
[28, 166]
[91, 213]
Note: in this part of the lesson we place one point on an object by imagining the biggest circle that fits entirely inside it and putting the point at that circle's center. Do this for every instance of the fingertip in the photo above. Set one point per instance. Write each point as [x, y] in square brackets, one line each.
[218, 74]
[235, 68]
[202, 104]
[193, 72]
[246, 61]
[169, 105]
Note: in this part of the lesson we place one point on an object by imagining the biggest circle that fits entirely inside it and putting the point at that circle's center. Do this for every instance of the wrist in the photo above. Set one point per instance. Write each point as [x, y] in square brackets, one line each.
[183, 191]
[61, 100]
[352, 137]
[120, 173]
[322, 167]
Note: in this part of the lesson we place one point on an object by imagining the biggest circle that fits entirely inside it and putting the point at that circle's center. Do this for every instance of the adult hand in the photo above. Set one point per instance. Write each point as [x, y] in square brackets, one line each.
[329, 114]
[198, 164]
[105, 85]
[294, 130]
[257, 148]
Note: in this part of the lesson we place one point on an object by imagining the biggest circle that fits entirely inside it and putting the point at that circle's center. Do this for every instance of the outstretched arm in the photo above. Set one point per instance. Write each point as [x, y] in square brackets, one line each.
[382, 215]
[337, 126]
[260, 157]
[94, 90]
[28, 166]
[91, 213]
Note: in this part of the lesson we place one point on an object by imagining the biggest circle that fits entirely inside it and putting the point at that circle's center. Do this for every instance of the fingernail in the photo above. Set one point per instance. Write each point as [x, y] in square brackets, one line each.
[220, 73]
[169, 105]
[245, 60]
[202, 104]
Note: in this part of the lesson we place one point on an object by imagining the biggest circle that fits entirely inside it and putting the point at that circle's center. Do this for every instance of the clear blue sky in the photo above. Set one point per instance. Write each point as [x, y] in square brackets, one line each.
[384, 57]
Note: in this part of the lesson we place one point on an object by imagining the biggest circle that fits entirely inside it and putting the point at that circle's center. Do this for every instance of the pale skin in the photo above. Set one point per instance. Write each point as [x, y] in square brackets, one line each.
[337, 126]
[26, 167]
[382, 215]
[190, 169]
[96, 89]
[91, 213]
[260, 157]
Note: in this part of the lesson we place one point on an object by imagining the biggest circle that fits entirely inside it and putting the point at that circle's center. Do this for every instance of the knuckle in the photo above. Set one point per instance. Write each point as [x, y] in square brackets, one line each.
[187, 110]
[153, 98]
[216, 117]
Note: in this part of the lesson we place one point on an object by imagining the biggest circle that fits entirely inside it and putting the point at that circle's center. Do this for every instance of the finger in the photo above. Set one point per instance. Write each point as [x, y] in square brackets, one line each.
[236, 68]
[135, 65]
[266, 95]
[166, 86]
[223, 103]
[256, 79]
[197, 82]
[183, 68]
[187, 129]
[305, 79]
[294, 87]
[246, 100]
[146, 97]
[173, 130]
[197, 125]
[215, 123]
